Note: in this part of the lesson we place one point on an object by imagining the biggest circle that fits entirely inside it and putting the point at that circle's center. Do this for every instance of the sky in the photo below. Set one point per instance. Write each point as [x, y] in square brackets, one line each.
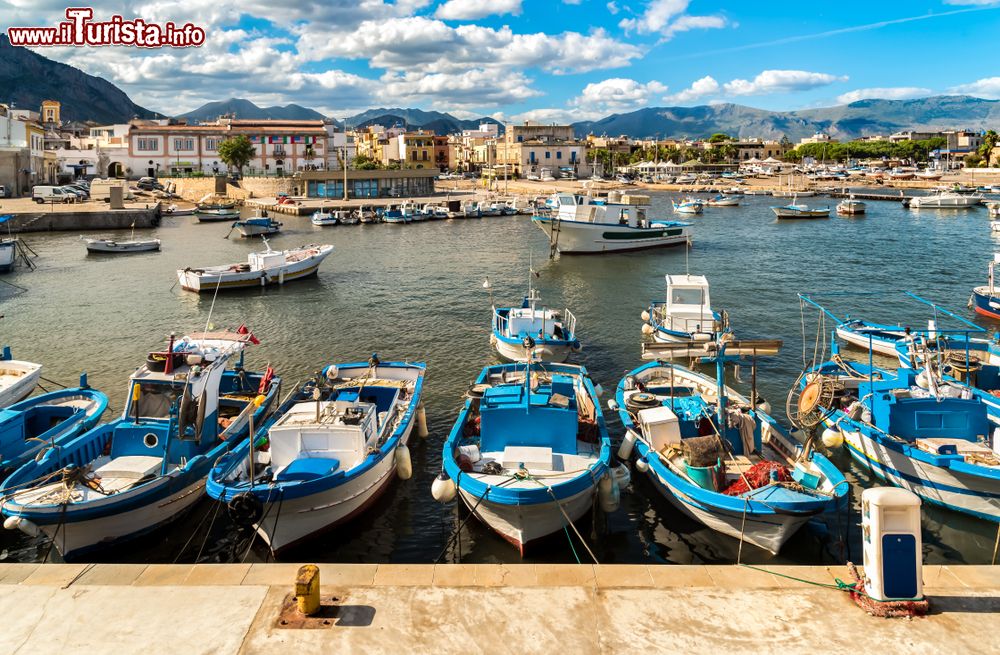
[545, 60]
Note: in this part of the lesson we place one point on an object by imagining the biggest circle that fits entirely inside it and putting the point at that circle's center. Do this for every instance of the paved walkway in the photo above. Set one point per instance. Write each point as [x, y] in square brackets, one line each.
[485, 608]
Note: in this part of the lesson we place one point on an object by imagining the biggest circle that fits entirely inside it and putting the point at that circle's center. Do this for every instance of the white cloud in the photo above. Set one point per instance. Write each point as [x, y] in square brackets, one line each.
[613, 8]
[553, 115]
[617, 95]
[471, 88]
[474, 9]
[699, 89]
[883, 93]
[987, 87]
[780, 81]
[667, 18]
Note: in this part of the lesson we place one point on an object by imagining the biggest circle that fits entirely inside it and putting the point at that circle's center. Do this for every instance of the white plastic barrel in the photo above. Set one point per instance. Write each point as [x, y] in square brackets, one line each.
[893, 555]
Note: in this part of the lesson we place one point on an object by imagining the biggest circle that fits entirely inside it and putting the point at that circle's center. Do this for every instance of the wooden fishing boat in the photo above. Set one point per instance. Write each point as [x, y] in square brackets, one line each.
[261, 269]
[17, 378]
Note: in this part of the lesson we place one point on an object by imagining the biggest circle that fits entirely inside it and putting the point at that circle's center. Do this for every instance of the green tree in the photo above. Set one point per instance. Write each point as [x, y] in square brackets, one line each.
[366, 163]
[719, 137]
[990, 140]
[236, 152]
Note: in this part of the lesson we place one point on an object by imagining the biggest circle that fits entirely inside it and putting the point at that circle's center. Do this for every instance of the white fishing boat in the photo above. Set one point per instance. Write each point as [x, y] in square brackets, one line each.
[946, 200]
[323, 218]
[722, 201]
[578, 224]
[174, 210]
[928, 175]
[688, 205]
[348, 217]
[796, 210]
[367, 215]
[261, 269]
[533, 330]
[851, 207]
[686, 316]
[131, 245]
[994, 209]
[17, 378]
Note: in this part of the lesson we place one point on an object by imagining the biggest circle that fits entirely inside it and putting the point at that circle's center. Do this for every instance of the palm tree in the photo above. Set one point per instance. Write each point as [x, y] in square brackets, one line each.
[990, 140]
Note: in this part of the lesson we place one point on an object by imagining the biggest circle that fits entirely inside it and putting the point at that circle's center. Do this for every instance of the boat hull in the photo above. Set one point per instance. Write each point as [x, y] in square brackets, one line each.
[122, 247]
[575, 237]
[984, 303]
[8, 253]
[522, 524]
[973, 495]
[882, 346]
[516, 352]
[12, 391]
[209, 282]
[302, 518]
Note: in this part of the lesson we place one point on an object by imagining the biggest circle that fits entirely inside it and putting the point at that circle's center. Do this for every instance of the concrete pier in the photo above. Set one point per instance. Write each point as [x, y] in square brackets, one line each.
[481, 608]
[29, 216]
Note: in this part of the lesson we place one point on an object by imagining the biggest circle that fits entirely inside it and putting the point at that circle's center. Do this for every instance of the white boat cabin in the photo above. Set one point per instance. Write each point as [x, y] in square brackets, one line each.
[585, 209]
[314, 439]
[689, 307]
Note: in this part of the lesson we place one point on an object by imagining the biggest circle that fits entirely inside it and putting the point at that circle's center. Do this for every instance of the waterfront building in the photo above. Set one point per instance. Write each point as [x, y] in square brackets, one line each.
[22, 152]
[398, 183]
[819, 137]
[527, 149]
[283, 147]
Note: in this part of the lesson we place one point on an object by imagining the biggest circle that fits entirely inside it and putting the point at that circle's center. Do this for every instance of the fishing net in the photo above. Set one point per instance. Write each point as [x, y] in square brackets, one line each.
[758, 475]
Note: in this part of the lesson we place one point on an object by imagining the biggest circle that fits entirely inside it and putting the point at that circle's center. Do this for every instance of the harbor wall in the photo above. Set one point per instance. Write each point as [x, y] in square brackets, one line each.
[196, 188]
[45, 220]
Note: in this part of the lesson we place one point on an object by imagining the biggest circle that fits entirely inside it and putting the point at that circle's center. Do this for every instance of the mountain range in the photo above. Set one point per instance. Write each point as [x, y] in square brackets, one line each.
[27, 78]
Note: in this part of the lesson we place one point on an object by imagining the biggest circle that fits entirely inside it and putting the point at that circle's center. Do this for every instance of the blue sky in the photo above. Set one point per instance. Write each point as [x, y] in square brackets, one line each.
[545, 59]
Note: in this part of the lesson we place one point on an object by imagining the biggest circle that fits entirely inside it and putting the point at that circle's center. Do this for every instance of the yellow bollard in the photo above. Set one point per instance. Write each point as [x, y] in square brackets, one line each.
[307, 589]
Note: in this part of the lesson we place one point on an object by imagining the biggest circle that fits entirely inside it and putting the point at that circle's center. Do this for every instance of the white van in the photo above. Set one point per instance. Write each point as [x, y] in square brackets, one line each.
[101, 189]
[43, 194]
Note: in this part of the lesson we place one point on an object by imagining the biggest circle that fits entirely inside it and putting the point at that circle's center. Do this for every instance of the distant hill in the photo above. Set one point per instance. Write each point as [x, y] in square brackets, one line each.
[246, 109]
[417, 119]
[861, 118]
[27, 78]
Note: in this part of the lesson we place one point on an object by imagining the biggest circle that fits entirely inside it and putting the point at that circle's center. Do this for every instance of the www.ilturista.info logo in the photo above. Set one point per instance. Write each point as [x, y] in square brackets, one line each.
[80, 30]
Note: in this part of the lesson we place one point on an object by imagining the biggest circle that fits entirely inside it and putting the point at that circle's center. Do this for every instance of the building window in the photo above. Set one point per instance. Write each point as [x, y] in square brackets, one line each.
[147, 144]
[183, 144]
[279, 151]
[548, 155]
[212, 143]
[559, 155]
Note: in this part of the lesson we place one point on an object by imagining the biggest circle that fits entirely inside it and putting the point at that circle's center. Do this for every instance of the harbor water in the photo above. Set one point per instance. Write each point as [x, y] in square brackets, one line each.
[415, 292]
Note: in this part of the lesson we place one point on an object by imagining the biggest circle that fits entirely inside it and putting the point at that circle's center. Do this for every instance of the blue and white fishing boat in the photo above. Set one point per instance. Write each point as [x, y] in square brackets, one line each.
[918, 430]
[333, 448]
[797, 210]
[47, 421]
[323, 218]
[8, 254]
[881, 338]
[257, 226]
[719, 458]
[578, 224]
[529, 453]
[394, 216]
[531, 329]
[985, 300]
[185, 408]
[685, 317]
[688, 206]
[722, 200]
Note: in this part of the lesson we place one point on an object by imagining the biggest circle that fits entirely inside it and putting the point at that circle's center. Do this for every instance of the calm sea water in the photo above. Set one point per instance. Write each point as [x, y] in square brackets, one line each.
[415, 292]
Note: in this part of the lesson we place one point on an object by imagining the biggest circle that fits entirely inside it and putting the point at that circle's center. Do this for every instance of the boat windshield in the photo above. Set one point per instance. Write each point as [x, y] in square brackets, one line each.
[681, 296]
[155, 399]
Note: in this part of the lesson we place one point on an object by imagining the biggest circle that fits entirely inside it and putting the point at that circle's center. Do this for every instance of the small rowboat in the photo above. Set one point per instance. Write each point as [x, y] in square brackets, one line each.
[722, 201]
[322, 218]
[17, 378]
[215, 206]
[112, 246]
[174, 210]
[795, 210]
[216, 215]
[257, 226]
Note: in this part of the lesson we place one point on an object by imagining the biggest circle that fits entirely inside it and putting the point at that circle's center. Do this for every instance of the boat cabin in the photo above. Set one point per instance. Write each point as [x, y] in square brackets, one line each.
[539, 323]
[569, 207]
[688, 307]
[314, 439]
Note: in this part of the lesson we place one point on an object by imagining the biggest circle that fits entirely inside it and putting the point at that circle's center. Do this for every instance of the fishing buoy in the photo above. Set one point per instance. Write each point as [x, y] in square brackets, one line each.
[763, 405]
[609, 493]
[622, 475]
[642, 465]
[628, 443]
[647, 329]
[645, 316]
[10, 523]
[832, 438]
[404, 467]
[443, 488]
[422, 431]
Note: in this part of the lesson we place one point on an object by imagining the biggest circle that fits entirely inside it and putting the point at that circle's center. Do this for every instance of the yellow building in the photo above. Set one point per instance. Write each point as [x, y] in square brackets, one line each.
[50, 112]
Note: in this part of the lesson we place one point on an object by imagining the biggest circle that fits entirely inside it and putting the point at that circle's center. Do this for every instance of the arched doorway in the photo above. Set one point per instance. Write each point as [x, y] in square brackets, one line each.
[115, 170]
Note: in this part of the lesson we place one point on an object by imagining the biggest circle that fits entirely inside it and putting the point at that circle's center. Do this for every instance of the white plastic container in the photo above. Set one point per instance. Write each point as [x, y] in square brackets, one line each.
[893, 549]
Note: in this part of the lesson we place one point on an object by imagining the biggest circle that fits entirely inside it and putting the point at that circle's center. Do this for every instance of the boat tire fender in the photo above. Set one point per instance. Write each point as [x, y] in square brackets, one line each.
[245, 509]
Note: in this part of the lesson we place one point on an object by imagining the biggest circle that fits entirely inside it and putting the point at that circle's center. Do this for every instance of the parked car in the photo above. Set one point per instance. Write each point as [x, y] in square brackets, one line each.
[3, 191]
[148, 184]
[82, 191]
[79, 193]
[45, 193]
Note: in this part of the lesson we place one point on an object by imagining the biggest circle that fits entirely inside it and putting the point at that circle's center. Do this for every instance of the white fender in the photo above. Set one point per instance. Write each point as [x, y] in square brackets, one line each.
[608, 493]
[628, 443]
[645, 316]
[641, 465]
[647, 329]
[422, 431]
[404, 467]
[832, 438]
[443, 489]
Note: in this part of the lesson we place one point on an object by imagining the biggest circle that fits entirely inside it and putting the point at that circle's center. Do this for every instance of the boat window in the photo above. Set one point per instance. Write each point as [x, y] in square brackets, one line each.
[155, 400]
[685, 296]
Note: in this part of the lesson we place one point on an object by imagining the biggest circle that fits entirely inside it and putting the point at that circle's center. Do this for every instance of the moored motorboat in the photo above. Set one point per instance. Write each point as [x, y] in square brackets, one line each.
[993, 208]
[529, 453]
[688, 206]
[719, 458]
[323, 218]
[347, 217]
[851, 207]
[985, 299]
[261, 269]
[585, 225]
[185, 408]
[127, 246]
[796, 210]
[47, 421]
[723, 201]
[945, 200]
[216, 215]
[332, 449]
[8, 254]
[877, 337]
[686, 316]
[17, 378]
[534, 330]
[174, 210]
[257, 226]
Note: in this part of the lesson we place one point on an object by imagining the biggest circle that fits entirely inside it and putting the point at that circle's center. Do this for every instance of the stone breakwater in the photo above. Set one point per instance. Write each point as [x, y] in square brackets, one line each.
[27, 216]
